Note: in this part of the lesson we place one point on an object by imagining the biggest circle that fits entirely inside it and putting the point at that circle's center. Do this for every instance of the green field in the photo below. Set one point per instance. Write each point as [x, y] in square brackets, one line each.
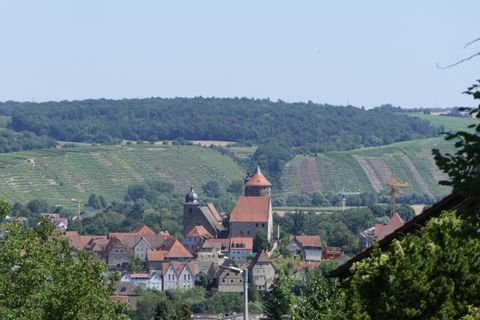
[62, 174]
[369, 169]
[448, 123]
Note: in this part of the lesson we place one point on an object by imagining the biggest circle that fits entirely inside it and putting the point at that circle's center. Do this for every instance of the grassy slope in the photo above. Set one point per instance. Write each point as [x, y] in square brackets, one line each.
[448, 123]
[62, 174]
[341, 169]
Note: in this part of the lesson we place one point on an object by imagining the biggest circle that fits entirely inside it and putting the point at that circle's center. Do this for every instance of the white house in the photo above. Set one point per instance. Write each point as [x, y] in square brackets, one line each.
[178, 275]
[152, 281]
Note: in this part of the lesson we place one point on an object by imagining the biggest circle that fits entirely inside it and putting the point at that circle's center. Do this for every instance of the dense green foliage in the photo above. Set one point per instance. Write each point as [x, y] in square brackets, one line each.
[435, 275]
[172, 304]
[463, 167]
[43, 278]
[339, 229]
[11, 141]
[280, 300]
[322, 127]
[321, 298]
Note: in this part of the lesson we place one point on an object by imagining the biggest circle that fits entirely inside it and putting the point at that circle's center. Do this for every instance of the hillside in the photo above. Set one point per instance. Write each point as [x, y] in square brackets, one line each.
[448, 123]
[310, 126]
[62, 174]
[368, 169]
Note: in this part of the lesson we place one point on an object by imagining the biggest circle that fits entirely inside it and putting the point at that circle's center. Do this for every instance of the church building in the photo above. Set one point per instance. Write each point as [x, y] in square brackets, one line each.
[253, 211]
[197, 214]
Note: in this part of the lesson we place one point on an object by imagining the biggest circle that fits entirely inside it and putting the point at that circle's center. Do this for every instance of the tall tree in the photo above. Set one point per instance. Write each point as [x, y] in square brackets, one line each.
[322, 299]
[280, 300]
[463, 167]
[41, 277]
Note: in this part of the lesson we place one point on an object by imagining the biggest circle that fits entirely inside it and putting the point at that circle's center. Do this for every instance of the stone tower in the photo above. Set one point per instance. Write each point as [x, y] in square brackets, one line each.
[198, 214]
[190, 208]
[257, 185]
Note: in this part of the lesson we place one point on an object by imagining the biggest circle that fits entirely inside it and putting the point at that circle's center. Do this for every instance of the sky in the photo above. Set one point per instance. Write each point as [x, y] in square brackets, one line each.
[362, 53]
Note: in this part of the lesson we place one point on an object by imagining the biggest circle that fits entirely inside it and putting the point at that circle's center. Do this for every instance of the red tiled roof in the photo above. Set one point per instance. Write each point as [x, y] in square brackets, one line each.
[199, 231]
[177, 267]
[241, 243]
[261, 257]
[220, 244]
[214, 211]
[257, 180]
[382, 230]
[251, 209]
[144, 230]
[309, 241]
[177, 250]
[156, 255]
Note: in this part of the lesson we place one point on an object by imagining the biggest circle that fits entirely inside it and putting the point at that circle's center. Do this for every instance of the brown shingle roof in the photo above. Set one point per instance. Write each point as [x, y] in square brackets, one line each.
[251, 209]
[261, 257]
[158, 255]
[214, 211]
[177, 250]
[257, 180]
[199, 232]
[450, 202]
[241, 243]
[309, 241]
[144, 230]
[382, 230]
[219, 244]
[177, 267]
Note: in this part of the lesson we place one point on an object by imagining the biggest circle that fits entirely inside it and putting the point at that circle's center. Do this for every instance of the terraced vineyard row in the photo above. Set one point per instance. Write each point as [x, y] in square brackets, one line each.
[369, 169]
[62, 174]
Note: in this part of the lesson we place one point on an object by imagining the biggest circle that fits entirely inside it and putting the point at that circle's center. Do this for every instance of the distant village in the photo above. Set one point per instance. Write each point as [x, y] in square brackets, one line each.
[209, 247]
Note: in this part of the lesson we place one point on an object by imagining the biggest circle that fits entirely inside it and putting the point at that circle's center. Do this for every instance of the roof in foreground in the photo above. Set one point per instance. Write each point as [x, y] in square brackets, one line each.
[451, 202]
[251, 209]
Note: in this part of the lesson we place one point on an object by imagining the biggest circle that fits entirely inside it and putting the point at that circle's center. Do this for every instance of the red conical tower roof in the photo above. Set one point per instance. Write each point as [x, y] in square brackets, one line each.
[258, 180]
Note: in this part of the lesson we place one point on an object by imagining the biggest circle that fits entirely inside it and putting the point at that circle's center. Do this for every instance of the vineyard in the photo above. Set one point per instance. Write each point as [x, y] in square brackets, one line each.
[369, 169]
[58, 175]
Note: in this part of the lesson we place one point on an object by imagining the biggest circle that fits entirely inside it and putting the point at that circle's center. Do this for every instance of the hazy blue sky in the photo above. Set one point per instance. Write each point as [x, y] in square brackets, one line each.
[362, 52]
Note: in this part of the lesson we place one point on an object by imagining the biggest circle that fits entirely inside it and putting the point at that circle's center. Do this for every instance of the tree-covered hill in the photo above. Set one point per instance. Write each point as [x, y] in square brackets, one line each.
[311, 126]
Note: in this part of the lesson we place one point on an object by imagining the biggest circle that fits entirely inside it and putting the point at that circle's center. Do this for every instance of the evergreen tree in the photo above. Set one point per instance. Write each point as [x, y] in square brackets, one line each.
[280, 299]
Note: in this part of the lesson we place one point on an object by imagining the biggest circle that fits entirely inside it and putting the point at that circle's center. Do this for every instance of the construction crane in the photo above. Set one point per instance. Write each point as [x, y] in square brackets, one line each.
[394, 186]
[343, 194]
[78, 202]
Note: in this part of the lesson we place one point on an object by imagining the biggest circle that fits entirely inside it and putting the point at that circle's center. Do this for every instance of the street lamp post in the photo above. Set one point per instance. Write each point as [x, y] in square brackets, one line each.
[244, 273]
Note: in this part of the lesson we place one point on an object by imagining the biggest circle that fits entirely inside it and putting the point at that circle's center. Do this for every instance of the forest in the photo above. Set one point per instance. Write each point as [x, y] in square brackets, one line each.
[313, 126]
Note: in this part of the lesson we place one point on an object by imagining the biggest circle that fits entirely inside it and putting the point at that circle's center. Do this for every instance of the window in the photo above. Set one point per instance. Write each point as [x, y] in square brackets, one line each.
[263, 224]
[256, 225]
[231, 281]
[248, 232]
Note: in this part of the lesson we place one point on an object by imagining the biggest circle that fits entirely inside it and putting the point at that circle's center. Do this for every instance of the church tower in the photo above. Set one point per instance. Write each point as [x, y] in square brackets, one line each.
[198, 214]
[257, 185]
[190, 208]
